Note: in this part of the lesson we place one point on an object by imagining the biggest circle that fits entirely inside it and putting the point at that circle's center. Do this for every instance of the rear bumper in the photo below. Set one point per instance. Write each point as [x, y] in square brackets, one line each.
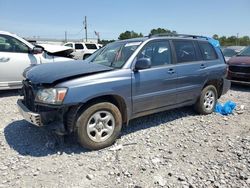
[29, 116]
[226, 86]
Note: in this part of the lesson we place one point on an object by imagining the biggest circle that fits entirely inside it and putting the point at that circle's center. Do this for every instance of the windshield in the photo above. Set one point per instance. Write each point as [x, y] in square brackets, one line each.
[228, 52]
[115, 54]
[245, 52]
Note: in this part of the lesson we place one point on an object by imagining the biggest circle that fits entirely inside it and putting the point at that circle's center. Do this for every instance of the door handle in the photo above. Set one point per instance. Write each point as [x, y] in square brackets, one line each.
[171, 71]
[4, 59]
[202, 66]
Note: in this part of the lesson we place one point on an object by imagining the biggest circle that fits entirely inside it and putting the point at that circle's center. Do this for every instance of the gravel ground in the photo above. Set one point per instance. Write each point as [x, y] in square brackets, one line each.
[177, 148]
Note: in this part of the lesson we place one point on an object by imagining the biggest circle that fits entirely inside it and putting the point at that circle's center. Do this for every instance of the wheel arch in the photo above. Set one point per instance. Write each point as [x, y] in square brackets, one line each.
[217, 83]
[75, 111]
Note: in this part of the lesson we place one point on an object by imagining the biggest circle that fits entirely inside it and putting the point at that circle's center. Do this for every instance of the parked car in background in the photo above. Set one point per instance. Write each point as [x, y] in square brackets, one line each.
[82, 50]
[239, 67]
[122, 81]
[16, 54]
[231, 51]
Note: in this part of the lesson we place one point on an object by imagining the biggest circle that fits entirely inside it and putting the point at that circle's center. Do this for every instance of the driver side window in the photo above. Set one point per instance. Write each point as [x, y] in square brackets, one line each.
[158, 52]
[10, 44]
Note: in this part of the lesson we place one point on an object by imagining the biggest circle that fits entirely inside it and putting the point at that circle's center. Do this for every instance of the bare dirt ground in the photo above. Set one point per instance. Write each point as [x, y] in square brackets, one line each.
[176, 148]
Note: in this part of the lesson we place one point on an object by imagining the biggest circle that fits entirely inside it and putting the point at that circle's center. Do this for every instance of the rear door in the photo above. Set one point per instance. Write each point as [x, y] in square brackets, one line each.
[79, 51]
[190, 68]
[154, 87]
[14, 58]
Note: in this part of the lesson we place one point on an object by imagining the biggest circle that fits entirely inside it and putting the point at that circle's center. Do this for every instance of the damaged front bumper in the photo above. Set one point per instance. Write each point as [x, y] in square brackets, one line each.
[51, 119]
[33, 118]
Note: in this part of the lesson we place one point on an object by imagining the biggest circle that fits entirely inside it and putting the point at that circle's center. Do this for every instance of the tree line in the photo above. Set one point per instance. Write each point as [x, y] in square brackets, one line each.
[133, 34]
[233, 40]
[224, 41]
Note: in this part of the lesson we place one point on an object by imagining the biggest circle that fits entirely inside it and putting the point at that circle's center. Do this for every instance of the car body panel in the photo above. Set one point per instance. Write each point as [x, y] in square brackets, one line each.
[45, 73]
[239, 67]
[191, 78]
[153, 88]
[12, 64]
[54, 48]
[239, 60]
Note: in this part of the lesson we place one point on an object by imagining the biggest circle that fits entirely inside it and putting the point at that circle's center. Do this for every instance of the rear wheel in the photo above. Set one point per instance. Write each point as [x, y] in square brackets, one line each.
[99, 126]
[207, 100]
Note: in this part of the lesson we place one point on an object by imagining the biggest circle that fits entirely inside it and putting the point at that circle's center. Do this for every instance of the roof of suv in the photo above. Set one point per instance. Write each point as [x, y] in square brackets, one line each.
[214, 42]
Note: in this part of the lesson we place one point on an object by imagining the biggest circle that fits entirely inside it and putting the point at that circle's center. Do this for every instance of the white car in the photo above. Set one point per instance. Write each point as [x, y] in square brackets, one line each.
[16, 54]
[82, 50]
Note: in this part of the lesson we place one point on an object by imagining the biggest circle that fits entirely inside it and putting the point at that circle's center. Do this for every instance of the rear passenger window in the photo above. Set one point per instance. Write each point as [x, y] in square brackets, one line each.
[78, 46]
[158, 52]
[185, 51]
[208, 52]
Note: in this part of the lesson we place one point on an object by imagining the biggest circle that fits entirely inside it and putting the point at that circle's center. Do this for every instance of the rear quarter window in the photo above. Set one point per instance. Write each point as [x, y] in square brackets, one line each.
[69, 45]
[207, 51]
[91, 46]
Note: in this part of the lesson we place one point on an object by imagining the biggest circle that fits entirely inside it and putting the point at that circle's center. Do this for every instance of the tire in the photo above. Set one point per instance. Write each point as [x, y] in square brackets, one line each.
[99, 126]
[207, 100]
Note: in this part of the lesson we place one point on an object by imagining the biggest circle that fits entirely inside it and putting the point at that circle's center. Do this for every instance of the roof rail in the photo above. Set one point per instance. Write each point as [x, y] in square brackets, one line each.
[178, 35]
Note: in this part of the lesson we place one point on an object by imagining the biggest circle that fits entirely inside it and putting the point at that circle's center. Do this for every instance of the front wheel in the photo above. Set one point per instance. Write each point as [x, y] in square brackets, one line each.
[207, 100]
[99, 126]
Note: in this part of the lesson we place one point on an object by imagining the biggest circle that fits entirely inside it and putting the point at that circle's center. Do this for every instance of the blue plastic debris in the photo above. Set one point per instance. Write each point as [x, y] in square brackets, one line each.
[212, 41]
[225, 109]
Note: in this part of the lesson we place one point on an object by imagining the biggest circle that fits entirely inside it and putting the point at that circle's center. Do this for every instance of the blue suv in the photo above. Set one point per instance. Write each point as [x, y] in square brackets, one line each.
[122, 81]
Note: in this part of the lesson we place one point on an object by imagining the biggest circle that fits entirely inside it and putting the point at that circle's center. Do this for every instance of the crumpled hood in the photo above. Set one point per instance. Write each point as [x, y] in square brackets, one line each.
[52, 72]
[55, 48]
[239, 60]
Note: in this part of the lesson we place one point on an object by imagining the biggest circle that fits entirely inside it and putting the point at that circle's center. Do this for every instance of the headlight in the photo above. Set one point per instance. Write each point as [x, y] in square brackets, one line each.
[51, 95]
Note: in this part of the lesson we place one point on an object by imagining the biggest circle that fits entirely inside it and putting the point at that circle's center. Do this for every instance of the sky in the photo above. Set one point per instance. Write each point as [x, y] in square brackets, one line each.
[51, 18]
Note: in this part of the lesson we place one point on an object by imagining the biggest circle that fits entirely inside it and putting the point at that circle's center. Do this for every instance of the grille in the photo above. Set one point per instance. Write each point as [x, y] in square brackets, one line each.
[242, 69]
[28, 96]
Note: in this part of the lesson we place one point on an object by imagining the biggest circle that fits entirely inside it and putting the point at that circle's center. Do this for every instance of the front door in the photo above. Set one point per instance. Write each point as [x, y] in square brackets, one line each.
[154, 87]
[14, 58]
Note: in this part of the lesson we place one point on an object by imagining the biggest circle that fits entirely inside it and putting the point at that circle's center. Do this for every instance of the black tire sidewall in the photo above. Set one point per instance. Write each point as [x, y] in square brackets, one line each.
[83, 119]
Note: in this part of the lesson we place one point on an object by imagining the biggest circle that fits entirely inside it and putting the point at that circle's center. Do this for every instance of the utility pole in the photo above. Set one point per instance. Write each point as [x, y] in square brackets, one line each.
[85, 27]
[65, 36]
[237, 40]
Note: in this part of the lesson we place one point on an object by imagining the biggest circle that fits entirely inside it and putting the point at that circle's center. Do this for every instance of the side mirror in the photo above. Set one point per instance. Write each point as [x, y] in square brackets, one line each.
[37, 50]
[143, 63]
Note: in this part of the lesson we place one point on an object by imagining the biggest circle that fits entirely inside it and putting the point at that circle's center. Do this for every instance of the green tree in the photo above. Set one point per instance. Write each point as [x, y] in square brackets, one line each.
[233, 40]
[244, 41]
[161, 31]
[223, 41]
[129, 35]
[104, 42]
[215, 36]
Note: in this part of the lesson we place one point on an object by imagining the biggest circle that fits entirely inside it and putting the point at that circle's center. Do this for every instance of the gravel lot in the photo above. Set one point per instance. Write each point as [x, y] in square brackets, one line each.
[177, 148]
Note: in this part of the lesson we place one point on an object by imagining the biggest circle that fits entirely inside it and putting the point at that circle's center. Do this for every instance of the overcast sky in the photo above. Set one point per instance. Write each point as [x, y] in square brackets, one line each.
[50, 19]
